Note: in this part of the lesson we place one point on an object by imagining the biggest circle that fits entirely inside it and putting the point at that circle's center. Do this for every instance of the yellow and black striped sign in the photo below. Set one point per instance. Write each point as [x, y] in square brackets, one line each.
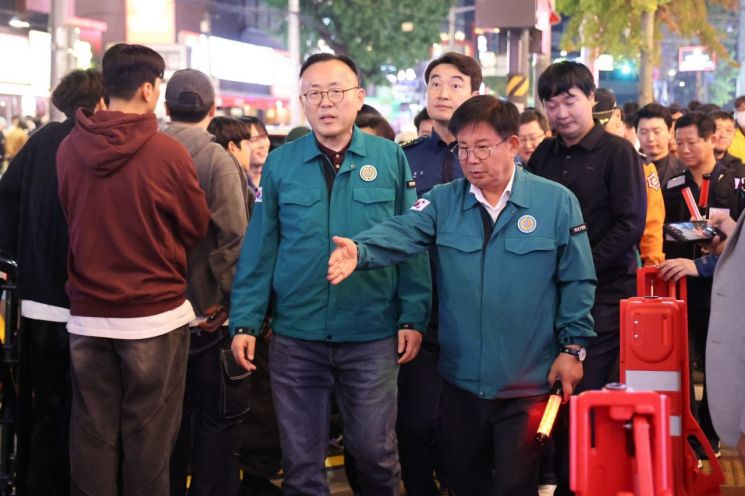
[517, 85]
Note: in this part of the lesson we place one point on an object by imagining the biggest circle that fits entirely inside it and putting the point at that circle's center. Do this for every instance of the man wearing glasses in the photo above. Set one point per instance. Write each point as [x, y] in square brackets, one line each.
[515, 286]
[347, 339]
[451, 80]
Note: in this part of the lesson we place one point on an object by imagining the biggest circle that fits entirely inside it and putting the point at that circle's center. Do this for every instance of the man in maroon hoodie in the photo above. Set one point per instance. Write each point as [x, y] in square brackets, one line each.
[133, 206]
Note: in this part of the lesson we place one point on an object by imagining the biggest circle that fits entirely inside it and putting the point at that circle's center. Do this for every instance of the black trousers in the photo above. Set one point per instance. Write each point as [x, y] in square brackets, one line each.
[206, 441]
[259, 452]
[489, 445]
[419, 444]
[600, 368]
[49, 357]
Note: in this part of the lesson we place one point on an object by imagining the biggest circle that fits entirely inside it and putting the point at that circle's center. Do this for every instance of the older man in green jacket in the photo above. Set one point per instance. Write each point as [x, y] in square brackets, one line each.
[516, 284]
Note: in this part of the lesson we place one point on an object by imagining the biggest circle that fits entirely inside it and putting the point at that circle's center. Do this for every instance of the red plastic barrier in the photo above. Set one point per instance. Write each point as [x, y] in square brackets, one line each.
[620, 443]
[654, 357]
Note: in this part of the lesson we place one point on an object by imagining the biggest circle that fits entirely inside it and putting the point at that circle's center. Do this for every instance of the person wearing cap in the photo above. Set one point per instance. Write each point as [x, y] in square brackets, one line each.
[348, 339]
[206, 438]
[133, 206]
[502, 344]
[605, 173]
[607, 113]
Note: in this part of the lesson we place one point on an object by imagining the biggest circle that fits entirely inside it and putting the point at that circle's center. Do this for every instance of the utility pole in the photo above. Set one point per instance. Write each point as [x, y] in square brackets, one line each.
[293, 43]
[61, 58]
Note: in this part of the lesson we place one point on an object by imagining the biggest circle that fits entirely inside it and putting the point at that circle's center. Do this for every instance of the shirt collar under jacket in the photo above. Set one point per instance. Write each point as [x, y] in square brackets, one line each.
[518, 194]
[588, 142]
[311, 152]
[501, 203]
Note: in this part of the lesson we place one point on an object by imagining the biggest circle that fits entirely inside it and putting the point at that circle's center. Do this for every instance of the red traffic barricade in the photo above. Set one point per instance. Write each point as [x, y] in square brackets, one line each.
[654, 357]
[620, 443]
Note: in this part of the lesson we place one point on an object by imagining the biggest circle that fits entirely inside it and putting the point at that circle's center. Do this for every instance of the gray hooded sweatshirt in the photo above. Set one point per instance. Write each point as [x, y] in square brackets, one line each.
[213, 260]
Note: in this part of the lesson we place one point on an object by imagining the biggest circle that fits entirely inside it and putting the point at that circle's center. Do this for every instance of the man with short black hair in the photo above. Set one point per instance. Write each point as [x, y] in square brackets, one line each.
[33, 232]
[350, 339]
[206, 440]
[695, 135]
[133, 206]
[498, 226]
[605, 173]
[723, 138]
[654, 126]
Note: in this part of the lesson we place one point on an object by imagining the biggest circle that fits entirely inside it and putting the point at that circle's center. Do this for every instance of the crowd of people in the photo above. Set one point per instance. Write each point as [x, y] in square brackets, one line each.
[195, 305]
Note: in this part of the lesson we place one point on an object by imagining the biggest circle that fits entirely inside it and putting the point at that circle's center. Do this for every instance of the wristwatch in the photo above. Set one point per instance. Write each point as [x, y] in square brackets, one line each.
[579, 353]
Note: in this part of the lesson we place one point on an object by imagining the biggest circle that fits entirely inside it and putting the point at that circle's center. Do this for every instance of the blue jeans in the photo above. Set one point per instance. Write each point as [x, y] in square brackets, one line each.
[363, 378]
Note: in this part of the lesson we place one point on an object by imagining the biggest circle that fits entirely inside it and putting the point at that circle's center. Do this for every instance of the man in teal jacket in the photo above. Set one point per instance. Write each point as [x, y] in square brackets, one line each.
[347, 339]
[516, 284]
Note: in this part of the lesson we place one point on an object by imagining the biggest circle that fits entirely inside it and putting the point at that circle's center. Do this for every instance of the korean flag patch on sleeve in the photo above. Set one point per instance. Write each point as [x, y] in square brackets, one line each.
[259, 195]
[420, 205]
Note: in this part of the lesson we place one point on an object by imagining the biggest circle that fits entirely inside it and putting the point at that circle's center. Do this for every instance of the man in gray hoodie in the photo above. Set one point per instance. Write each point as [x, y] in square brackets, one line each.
[207, 435]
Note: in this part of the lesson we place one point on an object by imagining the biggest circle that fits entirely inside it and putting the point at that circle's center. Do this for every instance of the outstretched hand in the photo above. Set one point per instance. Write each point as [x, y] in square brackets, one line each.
[343, 260]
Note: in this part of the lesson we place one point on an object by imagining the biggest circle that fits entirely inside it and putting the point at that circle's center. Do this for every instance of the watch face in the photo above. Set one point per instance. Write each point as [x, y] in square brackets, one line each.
[581, 354]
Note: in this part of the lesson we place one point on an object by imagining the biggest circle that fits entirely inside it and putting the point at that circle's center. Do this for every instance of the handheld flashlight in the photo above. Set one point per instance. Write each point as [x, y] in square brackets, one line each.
[549, 414]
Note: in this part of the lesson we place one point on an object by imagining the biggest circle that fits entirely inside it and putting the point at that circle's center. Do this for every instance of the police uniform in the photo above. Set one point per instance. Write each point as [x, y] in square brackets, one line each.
[333, 337]
[432, 162]
[508, 299]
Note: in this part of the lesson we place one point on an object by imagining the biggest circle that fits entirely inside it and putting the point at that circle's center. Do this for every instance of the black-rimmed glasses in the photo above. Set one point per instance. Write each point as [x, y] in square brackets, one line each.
[335, 95]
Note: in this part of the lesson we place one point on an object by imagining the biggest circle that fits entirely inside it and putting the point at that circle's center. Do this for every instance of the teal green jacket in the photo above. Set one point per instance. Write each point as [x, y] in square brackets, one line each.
[505, 307]
[284, 258]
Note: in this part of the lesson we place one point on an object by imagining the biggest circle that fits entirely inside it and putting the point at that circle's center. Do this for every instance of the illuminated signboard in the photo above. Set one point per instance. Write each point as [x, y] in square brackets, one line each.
[151, 21]
[696, 59]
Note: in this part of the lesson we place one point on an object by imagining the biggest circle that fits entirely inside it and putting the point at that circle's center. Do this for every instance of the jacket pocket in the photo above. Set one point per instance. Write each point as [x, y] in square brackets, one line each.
[466, 244]
[371, 206]
[373, 195]
[526, 244]
[301, 197]
[235, 386]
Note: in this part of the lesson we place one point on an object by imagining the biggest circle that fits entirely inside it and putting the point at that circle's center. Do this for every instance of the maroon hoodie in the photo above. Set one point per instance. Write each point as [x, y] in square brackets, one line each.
[133, 206]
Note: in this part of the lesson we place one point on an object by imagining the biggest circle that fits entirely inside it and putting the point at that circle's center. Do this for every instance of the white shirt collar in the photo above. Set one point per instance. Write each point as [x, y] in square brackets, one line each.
[501, 203]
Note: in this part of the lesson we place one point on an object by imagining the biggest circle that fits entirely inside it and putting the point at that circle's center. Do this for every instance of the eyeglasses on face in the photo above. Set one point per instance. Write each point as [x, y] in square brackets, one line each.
[480, 152]
[335, 95]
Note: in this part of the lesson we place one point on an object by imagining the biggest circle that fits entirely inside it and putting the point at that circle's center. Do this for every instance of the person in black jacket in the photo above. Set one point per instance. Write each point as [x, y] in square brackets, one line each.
[33, 231]
[605, 173]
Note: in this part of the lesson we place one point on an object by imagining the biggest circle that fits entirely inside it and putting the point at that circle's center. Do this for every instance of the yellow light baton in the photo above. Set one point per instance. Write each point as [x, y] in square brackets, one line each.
[549, 414]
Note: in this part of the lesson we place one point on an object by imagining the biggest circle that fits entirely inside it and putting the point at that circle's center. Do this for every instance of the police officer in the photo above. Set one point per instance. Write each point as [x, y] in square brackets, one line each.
[350, 339]
[451, 79]
[516, 285]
